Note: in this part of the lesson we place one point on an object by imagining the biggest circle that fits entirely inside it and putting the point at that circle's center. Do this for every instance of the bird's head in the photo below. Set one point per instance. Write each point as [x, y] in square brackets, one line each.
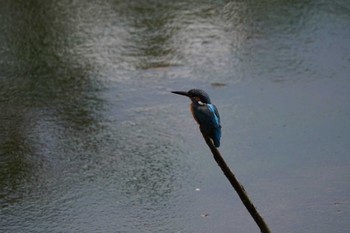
[196, 95]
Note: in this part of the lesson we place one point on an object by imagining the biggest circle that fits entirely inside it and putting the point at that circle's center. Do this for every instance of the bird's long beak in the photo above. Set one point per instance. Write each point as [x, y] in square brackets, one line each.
[181, 93]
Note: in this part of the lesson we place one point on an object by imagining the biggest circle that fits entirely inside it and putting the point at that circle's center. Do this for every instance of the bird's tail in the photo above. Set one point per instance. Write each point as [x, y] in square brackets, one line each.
[216, 142]
[216, 137]
[214, 134]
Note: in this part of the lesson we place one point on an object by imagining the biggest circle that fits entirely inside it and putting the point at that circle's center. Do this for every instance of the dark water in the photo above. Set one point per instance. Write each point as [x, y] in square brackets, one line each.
[91, 140]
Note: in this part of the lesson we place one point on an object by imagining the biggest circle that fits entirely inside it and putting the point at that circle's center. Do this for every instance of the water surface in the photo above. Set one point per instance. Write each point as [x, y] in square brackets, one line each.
[91, 140]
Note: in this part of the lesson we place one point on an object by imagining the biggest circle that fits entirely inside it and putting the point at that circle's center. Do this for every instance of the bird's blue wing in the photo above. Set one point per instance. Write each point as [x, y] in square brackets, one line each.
[216, 134]
[209, 120]
[215, 115]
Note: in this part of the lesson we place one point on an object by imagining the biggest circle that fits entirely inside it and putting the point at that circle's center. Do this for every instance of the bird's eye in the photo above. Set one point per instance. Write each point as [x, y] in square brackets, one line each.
[197, 99]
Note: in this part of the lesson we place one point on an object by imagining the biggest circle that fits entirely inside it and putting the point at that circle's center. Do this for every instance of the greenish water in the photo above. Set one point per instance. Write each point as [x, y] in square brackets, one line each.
[92, 140]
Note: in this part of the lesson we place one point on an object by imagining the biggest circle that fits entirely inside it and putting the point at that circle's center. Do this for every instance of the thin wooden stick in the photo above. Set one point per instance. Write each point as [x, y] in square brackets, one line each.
[238, 187]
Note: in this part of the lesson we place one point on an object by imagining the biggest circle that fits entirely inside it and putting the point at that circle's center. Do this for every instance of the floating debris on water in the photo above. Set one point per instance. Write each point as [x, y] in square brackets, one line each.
[217, 84]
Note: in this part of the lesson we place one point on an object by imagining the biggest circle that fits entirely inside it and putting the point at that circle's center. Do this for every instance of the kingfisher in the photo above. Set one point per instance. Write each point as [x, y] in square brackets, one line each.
[205, 114]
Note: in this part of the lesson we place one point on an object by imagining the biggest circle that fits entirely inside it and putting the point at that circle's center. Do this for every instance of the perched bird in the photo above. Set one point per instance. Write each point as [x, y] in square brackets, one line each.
[205, 113]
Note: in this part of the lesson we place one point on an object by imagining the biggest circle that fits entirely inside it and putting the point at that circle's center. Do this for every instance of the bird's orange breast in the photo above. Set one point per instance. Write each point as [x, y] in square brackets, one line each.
[192, 111]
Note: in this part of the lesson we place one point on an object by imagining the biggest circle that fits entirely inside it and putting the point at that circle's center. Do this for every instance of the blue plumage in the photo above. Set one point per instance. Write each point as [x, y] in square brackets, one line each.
[217, 127]
[205, 114]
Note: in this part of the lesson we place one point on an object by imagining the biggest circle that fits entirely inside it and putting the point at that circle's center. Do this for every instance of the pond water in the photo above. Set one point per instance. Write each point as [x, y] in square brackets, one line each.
[92, 140]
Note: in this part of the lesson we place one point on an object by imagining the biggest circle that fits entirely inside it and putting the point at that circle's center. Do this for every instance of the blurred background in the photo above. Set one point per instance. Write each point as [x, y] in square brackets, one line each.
[92, 140]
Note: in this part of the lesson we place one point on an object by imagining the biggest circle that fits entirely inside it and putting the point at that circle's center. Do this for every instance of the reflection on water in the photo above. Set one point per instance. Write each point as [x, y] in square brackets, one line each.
[92, 141]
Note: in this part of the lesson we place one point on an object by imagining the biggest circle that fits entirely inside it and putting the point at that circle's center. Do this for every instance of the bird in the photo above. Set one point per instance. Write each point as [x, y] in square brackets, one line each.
[205, 114]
